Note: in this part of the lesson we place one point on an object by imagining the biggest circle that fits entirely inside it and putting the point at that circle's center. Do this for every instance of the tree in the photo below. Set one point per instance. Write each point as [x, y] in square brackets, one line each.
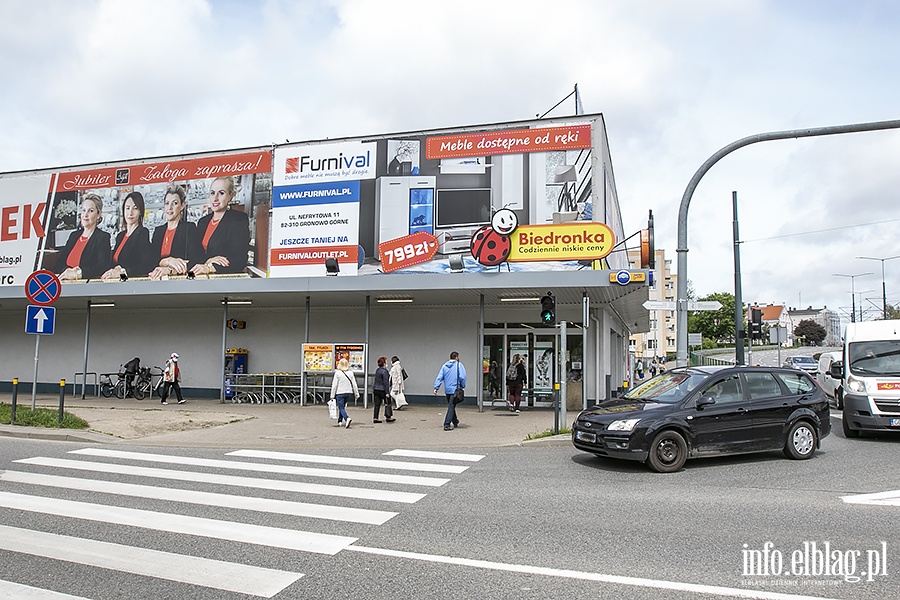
[811, 331]
[716, 325]
[893, 312]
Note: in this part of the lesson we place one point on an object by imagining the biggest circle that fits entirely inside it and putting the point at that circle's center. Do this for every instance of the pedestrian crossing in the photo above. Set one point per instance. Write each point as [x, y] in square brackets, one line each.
[264, 499]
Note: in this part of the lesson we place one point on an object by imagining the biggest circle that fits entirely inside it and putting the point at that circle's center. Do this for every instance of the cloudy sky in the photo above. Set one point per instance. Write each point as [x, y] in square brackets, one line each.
[103, 80]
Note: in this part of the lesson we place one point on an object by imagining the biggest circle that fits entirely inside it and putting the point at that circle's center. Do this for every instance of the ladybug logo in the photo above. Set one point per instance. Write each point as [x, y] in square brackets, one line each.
[489, 247]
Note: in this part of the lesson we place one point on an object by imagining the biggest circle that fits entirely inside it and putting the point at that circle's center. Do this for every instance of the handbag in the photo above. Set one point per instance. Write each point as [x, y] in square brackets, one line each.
[403, 373]
[399, 399]
[332, 410]
[459, 395]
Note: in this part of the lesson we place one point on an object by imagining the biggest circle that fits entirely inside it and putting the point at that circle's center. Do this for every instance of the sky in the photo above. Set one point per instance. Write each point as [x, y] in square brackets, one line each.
[106, 80]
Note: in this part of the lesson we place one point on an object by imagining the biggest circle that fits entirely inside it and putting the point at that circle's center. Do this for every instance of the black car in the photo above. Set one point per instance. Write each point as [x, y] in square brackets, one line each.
[689, 412]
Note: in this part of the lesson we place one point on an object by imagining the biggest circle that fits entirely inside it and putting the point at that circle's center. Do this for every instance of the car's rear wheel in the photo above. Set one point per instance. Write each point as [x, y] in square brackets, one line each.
[848, 433]
[667, 452]
[801, 441]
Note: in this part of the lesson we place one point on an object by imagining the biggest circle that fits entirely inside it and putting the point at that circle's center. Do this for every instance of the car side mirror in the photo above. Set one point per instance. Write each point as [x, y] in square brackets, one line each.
[704, 401]
[837, 369]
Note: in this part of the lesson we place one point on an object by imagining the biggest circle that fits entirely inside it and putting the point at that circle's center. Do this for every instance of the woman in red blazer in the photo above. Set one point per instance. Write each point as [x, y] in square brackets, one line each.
[224, 233]
[87, 253]
[176, 245]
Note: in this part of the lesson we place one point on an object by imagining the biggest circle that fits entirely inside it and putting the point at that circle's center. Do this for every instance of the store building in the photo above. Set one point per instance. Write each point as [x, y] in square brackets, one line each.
[413, 244]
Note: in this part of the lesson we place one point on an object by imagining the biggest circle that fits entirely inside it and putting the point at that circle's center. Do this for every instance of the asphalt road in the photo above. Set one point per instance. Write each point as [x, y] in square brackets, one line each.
[523, 522]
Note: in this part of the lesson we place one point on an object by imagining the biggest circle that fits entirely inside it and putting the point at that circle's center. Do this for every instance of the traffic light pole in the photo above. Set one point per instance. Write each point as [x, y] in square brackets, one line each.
[738, 300]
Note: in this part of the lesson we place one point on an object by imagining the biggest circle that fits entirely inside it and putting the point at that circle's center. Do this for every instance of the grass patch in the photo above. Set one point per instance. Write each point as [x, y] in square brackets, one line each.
[547, 433]
[41, 417]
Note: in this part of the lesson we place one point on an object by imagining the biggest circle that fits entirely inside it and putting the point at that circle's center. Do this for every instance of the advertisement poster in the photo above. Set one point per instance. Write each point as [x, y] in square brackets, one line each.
[158, 220]
[318, 358]
[315, 207]
[542, 376]
[355, 353]
[23, 204]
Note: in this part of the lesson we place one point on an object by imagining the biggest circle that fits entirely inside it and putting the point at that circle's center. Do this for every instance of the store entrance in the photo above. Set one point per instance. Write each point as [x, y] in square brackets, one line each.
[537, 350]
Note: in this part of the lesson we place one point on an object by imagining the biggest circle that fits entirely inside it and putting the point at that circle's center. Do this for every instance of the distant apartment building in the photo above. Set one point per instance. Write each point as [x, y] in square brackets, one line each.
[825, 317]
[660, 340]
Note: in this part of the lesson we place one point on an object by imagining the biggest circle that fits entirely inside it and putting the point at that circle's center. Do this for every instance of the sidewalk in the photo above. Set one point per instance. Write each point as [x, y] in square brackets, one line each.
[207, 423]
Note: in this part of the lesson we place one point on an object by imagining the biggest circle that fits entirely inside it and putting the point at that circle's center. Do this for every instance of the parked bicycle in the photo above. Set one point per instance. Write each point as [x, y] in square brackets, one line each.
[108, 387]
[149, 380]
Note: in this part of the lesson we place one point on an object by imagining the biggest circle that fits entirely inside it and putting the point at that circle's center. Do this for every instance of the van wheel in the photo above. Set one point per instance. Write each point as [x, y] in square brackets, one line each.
[839, 398]
[848, 433]
[668, 452]
[801, 441]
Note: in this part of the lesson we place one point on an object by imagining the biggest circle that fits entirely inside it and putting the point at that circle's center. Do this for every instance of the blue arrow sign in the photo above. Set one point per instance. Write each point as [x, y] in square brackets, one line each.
[40, 320]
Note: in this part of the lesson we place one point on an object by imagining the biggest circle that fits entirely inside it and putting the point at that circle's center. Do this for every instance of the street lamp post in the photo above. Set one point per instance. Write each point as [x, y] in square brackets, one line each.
[883, 286]
[852, 292]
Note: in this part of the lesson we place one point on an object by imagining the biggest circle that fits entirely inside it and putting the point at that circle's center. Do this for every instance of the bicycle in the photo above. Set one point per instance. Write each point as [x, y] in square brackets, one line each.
[144, 385]
[108, 388]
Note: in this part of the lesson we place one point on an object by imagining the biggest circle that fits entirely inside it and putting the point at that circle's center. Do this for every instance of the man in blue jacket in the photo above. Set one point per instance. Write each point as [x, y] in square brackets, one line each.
[452, 375]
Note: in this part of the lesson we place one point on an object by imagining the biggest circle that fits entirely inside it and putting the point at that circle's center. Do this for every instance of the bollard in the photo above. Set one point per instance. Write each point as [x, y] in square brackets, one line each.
[15, 395]
[62, 398]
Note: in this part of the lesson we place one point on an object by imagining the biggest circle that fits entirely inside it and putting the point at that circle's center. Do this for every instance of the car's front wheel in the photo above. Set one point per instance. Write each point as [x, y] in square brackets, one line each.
[667, 452]
[839, 398]
[801, 441]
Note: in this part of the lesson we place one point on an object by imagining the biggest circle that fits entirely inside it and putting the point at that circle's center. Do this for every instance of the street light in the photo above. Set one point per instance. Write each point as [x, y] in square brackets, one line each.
[883, 287]
[852, 292]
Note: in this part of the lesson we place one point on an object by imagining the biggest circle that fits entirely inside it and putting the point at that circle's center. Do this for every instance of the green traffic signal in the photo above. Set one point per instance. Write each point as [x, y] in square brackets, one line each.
[548, 304]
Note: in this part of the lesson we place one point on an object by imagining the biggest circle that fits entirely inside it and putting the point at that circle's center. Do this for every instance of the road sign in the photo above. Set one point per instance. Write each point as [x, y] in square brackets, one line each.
[42, 288]
[659, 305]
[705, 305]
[40, 320]
[671, 304]
[695, 339]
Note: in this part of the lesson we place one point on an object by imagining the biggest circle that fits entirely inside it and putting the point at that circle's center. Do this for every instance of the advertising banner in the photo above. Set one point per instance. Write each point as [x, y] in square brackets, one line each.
[519, 196]
[315, 207]
[159, 220]
[23, 206]
[318, 358]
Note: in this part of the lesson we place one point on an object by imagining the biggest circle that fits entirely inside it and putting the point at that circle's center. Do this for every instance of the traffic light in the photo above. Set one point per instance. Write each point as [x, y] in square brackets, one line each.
[548, 306]
[755, 323]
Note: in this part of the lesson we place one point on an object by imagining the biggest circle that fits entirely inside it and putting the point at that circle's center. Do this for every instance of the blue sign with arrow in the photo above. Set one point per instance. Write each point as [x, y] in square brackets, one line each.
[40, 320]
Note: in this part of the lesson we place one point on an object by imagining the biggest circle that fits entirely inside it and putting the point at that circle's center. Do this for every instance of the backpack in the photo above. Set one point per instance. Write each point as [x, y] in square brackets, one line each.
[512, 372]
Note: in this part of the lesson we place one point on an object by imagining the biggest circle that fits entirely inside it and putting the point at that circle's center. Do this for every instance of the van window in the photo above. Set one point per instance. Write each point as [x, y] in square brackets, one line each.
[881, 357]
[797, 383]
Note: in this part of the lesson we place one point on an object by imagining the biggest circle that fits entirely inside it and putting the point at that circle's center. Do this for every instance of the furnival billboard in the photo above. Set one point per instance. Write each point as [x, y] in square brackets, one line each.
[519, 195]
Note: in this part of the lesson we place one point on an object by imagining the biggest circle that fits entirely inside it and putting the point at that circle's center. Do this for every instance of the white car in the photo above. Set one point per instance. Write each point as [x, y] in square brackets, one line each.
[833, 387]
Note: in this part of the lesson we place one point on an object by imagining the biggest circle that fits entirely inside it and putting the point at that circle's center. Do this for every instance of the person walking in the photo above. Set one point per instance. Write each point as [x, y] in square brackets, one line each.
[516, 378]
[172, 379]
[343, 389]
[381, 391]
[398, 383]
[452, 375]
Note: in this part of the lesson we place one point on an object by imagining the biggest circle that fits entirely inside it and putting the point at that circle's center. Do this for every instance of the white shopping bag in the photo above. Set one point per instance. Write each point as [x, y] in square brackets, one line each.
[332, 409]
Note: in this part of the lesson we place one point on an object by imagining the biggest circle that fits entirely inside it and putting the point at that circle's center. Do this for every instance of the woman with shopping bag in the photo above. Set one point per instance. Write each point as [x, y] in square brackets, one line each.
[398, 376]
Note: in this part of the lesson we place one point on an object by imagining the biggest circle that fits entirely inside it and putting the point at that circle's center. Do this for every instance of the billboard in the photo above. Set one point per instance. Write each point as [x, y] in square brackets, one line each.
[518, 196]
[158, 220]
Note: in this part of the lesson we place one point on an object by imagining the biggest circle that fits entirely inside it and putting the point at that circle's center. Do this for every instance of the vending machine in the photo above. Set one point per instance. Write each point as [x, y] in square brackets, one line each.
[235, 364]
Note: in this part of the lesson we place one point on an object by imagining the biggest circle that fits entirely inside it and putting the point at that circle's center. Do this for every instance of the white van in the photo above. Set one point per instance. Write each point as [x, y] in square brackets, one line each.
[871, 377]
[833, 386]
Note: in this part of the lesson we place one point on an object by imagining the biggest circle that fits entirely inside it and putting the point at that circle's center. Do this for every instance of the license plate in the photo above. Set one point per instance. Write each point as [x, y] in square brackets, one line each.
[587, 436]
[895, 422]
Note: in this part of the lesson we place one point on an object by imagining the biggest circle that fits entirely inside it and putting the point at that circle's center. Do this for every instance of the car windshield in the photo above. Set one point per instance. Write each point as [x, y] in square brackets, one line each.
[668, 388]
[875, 358]
[808, 360]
